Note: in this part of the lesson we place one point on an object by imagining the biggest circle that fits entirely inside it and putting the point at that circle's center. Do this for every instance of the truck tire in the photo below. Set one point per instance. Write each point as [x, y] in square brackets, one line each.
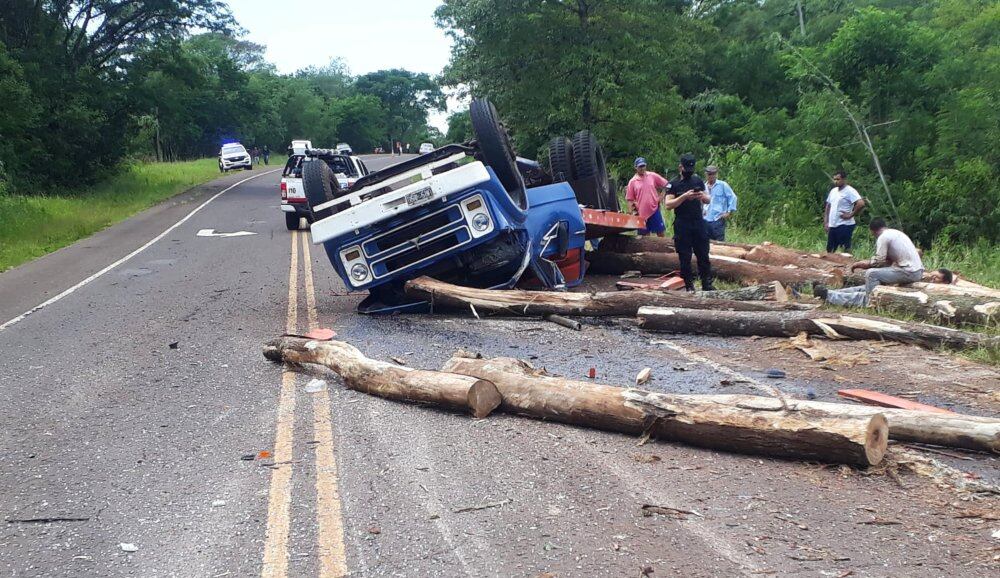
[497, 152]
[561, 159]
[292, 221]
[591, 184]
[320, 185]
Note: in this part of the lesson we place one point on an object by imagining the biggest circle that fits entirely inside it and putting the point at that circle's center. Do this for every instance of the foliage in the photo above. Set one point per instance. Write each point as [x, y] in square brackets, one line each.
[33, 225]
[743, 85]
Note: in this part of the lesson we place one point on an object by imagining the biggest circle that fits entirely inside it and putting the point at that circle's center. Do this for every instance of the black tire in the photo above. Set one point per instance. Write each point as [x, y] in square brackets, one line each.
[249, 168]
[320, 185]
[561, 159]
[591, 185]
[221, 170]
[292, 221]
[497, 152]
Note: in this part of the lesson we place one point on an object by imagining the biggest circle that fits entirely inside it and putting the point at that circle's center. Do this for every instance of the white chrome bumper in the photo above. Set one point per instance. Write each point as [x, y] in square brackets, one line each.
[391, 204]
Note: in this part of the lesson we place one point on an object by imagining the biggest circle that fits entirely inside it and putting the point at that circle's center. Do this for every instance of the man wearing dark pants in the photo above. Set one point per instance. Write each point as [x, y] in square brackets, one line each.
[842, 204]
[686, 197]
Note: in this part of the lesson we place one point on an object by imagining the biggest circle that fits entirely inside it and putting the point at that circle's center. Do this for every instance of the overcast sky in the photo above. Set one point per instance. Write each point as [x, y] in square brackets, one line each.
[368, 35]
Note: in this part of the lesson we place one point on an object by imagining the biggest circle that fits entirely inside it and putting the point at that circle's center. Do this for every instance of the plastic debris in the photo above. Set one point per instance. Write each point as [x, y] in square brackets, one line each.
[126, 547]
[315, 386]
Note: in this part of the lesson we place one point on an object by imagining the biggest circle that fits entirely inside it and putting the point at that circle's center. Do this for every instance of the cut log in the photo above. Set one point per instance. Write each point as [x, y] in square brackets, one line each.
[772, 291]
[973, 290]
[602, 304]
[387, 380]
[651, 244]
[852, 440]
[791, 323]
[948, 430]
[781, 256]
[728, 268]
[929, 306]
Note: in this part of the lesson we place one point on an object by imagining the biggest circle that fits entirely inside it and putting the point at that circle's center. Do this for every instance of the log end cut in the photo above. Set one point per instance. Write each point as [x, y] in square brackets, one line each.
[876, 439]
[484, 397]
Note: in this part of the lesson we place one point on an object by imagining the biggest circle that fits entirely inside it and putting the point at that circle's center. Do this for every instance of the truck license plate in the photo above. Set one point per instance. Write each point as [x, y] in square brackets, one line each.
[417, 197]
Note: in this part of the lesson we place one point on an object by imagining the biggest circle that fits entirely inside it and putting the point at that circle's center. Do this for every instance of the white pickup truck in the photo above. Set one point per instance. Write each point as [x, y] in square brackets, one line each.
[347, 169]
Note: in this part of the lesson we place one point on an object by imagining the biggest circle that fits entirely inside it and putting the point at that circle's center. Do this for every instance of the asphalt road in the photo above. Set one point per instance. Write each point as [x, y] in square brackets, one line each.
[137, 407]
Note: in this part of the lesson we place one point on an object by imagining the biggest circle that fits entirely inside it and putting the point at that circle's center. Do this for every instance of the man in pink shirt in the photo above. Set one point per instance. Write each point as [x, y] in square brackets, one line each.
[644, 194]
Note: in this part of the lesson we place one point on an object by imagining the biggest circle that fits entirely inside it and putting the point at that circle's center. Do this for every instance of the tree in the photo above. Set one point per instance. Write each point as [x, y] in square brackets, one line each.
[407, 97]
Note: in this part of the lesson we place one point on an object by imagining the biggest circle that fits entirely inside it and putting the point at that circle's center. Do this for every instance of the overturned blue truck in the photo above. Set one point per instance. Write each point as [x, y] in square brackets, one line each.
[472, 214]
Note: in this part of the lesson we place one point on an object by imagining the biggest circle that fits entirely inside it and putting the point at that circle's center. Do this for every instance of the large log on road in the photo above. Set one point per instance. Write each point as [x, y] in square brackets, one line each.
[962, 289]
[728, 268]
[929, 306]
[791, 323]
[857, 440]
[651, 244]
[612, 303]
[777, 255]
[388, 380]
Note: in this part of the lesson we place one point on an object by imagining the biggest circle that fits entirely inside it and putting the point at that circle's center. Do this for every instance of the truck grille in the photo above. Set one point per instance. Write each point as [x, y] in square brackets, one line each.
[416, 241]
[423, 252]
[416, 230]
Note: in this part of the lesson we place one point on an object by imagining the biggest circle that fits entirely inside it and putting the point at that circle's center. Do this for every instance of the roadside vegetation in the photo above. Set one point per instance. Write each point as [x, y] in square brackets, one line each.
[33, 225]
[778, 93]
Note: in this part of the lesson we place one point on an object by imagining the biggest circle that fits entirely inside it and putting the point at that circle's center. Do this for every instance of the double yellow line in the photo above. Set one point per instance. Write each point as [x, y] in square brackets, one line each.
[329, 518]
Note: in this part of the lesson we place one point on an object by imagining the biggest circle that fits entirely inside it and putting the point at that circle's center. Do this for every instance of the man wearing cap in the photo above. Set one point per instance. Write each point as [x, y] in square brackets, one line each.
[686, 197]
[644, 194]
[721, 206]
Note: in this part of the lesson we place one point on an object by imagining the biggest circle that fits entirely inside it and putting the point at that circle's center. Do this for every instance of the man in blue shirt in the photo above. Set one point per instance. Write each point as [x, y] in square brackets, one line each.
[721, 206]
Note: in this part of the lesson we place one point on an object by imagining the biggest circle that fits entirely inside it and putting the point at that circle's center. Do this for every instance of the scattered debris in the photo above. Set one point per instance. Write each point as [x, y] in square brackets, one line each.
[315, 386]
[44, 520]
[644, 375]
[592, 374]
[646, 458]
[374, 530]
[126, 547]
[397, 360]
[669, 511]
[881, 399]
[173, 345]
[775, 374]
[565, 322]
[482, 507]
[248, 457]
[263, 455]
[218, 503]
[876, 521]
[631, 275]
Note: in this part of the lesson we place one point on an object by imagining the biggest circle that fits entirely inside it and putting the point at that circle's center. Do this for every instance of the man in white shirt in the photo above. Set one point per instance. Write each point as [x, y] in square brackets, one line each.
[896, 262]
[843, 203]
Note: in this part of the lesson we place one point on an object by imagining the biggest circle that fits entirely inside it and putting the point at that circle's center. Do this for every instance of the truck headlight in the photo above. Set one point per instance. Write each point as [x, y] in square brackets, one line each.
[481, 222]
[359, 272]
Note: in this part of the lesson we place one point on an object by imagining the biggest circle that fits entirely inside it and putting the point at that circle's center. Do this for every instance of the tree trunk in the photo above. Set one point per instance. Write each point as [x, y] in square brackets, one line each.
[738, 270]
[791, 323]
[971, 289]
[948, 430]
[772, 291]
[935, 307]
[651, 244]
[769, 254]
[603, 304]
[388, 380]
[852, 440]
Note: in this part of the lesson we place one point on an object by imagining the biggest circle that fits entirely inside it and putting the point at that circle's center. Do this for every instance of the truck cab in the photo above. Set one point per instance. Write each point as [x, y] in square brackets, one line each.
[472, 214]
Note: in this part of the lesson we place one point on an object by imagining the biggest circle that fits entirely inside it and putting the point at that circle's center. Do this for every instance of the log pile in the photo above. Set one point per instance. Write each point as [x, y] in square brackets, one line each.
[938, 306]
[601, 304]
[791, 323]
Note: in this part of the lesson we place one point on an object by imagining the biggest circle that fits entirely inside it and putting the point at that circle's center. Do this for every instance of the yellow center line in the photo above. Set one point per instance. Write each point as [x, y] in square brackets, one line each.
[329, 512]
[279, 498]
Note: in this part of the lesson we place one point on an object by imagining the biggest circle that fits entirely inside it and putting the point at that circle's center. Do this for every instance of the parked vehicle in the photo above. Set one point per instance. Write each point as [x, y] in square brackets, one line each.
[234, 156]
[426, 148]
[471, 214]
[343, 148]
[346, 169]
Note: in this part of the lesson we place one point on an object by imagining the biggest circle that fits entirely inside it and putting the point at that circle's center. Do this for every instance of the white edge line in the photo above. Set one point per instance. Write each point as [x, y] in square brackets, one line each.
[148, 244]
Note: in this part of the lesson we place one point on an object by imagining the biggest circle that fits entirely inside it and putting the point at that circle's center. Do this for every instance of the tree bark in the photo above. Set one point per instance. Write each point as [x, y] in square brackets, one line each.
[964, 289]
[929, 306]
[772, 291]
[602, 304]
[388, 380]
[791, 323]
[651, 244]
[852, 440]
[728, 268]
[769, 254]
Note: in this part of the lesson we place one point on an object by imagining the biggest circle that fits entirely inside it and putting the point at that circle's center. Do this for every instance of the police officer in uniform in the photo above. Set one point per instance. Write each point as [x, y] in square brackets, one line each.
[686, 197]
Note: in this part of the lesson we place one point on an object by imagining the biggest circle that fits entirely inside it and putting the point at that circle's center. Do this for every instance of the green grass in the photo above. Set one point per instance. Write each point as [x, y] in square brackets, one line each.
[31, 226]
[979, 262]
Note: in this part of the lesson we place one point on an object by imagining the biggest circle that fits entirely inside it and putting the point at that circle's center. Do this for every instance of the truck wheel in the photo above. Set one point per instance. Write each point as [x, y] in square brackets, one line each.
[561, 159]
[292, 221]
[494, 144]
[591, 183]
[320, 185]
